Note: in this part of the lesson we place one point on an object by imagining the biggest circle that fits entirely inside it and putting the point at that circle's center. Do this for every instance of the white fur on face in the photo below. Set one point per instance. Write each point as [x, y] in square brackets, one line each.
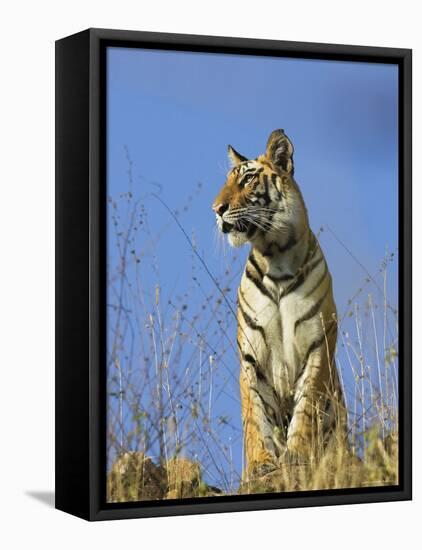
[236, 238]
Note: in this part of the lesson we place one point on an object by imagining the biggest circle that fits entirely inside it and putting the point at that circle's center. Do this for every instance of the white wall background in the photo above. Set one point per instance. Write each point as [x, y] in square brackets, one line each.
[27, 271]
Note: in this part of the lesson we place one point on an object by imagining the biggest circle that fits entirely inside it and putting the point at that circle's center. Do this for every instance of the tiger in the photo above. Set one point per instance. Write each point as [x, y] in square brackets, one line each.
[291, 397]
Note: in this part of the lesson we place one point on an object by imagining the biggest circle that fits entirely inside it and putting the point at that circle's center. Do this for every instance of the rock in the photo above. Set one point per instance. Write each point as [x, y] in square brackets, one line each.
[135, 477]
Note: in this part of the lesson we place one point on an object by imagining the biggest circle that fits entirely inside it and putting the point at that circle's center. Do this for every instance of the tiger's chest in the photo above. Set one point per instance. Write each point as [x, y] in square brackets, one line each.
[269, 312]
[266, 328]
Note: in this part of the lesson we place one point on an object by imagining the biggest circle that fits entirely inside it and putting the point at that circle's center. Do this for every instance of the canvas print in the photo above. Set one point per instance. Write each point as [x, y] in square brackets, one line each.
[252, 275]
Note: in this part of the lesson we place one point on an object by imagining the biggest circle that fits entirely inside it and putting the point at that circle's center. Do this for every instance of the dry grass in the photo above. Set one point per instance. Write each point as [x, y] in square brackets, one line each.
[173, 374]
[135, 477]
[339, 469]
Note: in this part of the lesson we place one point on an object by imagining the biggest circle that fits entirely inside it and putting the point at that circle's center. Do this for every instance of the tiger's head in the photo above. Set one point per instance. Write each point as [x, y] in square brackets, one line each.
[260, 201]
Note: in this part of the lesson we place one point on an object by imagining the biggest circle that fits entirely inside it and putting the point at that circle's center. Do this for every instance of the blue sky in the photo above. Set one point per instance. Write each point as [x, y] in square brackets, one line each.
[176, 112]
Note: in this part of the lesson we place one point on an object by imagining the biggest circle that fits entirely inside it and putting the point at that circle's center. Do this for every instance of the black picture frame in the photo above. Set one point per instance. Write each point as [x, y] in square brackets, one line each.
[80, 273]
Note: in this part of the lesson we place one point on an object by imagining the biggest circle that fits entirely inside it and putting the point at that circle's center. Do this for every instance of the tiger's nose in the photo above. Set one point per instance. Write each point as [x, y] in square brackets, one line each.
[220, 208]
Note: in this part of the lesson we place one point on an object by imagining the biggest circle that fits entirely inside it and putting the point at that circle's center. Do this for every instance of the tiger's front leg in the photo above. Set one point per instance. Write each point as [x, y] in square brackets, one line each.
[259, 419]
[259, 340]
[313, 417]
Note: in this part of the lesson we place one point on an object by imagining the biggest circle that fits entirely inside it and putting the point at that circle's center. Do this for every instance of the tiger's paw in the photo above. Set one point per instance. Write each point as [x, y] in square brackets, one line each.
[262, 470]
[294, 456]
[298, 449]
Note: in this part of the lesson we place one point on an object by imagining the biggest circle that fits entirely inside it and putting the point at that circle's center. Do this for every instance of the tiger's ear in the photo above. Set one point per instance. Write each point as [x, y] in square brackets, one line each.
[235, 157]
[280, 151]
